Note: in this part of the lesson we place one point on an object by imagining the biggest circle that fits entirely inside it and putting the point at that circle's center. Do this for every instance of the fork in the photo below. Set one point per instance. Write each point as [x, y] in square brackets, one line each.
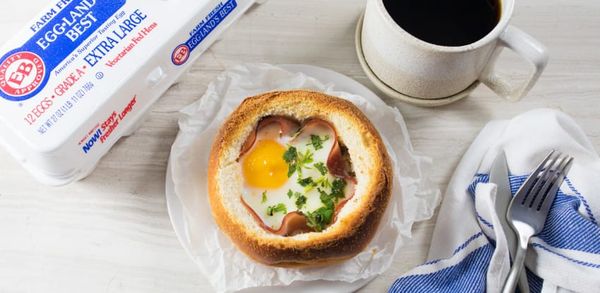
[529, 208]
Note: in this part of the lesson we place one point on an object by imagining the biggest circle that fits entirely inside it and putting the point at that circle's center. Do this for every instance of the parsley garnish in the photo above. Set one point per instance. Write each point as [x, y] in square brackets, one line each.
[326, 198]
[323, 182]
[290, 193]
[320, 166]
[300, 201]
[297, 161]
[305, 158]
[337, 188]
[300, 198]
[279, 208]
[337, 192]
[264, 197]
[317, 142]
[305, 181]
[290, 155]
[320, 218]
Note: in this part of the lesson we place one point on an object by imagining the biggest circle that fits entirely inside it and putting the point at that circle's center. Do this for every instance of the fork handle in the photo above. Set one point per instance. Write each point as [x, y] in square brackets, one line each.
[517, 267]
[523, 283]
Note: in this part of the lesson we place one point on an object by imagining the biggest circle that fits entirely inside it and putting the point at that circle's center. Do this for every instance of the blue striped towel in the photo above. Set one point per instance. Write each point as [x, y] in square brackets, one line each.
[468, 255]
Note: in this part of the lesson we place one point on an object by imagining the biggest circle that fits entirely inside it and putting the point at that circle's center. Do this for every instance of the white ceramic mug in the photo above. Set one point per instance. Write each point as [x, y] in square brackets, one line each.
[423, 70]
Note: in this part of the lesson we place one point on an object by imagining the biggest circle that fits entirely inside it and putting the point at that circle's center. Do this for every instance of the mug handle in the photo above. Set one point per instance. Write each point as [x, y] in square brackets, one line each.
[525, 46]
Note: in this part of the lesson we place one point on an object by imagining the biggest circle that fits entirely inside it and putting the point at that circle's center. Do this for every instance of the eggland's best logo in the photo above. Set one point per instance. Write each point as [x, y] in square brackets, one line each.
[20, 74]
[180, 55]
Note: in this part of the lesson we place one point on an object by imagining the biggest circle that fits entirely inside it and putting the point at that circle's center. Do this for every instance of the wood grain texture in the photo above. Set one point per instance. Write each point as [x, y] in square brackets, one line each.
[111, 232]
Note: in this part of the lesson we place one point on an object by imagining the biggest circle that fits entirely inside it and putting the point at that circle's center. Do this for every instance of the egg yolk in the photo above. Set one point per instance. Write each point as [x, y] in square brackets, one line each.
[264, 166]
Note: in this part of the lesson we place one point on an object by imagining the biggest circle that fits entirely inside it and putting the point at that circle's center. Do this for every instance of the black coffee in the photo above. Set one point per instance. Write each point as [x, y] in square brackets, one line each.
[445, 22]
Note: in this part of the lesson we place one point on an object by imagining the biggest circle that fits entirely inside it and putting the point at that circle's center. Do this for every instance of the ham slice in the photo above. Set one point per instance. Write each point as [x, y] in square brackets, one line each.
[336, 164]
[276, 125]
[293, 223]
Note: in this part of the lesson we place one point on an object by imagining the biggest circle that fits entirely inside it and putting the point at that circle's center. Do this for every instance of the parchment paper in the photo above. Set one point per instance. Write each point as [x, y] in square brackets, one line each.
[413, 197]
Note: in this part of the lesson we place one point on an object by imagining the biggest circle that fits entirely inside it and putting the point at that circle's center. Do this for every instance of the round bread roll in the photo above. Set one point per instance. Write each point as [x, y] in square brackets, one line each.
[356, 217]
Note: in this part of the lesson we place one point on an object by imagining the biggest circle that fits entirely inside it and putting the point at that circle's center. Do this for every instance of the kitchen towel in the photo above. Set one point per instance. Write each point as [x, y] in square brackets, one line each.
[468, 255]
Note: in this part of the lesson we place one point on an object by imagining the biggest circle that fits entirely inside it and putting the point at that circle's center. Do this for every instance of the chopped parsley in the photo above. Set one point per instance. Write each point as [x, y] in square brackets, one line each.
[337, 188]
[320, 166]
[305, 181]
[290, 155]
[305, 158]
[317, 142]
[320, 218]
[325, 197]
[264, 197]
[309, 183]
[297, 161]
[300, 201]
[323, 182]
[290, 193]
[337, 192]
[323, 216]
[300, 198]
[279, 208]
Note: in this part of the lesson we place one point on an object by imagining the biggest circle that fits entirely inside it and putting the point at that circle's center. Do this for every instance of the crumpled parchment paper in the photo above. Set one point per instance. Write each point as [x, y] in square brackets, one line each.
[413, 198]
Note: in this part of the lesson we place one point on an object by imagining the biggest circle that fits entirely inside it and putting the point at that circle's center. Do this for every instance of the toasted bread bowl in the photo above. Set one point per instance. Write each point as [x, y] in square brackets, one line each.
[356, 217]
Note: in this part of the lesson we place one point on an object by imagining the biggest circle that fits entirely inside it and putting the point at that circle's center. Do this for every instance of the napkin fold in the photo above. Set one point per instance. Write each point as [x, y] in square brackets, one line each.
[468, 255]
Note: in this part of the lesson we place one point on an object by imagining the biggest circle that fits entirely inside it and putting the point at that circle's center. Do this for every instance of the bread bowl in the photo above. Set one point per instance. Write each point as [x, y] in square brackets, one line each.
[352, 190]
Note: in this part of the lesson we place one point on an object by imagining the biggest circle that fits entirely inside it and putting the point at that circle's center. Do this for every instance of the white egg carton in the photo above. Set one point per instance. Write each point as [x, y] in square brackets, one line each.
[83, 73]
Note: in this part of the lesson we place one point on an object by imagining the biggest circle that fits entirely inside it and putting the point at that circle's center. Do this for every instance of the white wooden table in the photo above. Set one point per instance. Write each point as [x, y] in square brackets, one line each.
[111, 231]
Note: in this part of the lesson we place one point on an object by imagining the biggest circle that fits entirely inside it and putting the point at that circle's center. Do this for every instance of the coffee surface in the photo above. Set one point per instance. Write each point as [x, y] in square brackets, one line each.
[445, 22]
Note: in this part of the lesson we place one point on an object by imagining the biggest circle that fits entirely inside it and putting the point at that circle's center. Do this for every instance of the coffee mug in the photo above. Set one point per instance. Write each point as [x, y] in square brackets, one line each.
[424, 70]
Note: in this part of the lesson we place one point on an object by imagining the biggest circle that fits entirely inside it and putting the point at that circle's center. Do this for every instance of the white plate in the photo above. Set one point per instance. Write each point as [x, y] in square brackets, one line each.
[175, 208]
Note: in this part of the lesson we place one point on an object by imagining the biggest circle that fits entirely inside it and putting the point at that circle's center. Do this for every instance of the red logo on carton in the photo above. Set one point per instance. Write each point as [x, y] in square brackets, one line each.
[180, 54]
[21, 73]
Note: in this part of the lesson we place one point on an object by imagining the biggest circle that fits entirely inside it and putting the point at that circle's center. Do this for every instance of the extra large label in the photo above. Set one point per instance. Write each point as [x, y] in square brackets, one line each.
[25, 71]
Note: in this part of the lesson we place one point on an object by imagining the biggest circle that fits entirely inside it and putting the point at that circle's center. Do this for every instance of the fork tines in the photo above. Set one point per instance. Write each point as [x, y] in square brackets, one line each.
[540, 188]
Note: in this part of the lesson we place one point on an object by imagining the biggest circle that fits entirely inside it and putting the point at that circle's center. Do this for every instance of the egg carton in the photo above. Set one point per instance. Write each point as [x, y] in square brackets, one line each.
[82, 74]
